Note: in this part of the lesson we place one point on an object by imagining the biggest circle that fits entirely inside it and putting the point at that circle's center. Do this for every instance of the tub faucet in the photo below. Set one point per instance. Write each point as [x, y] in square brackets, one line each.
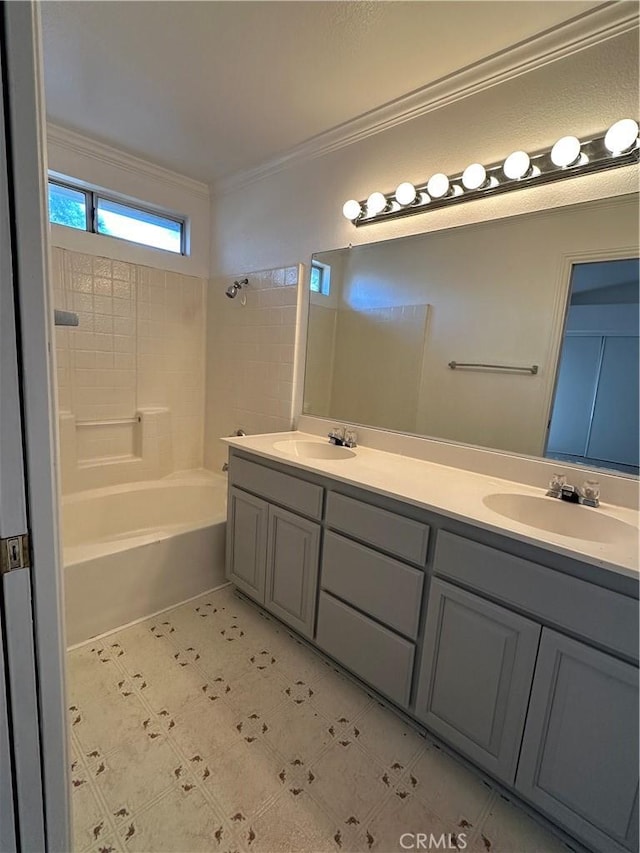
[589, 495]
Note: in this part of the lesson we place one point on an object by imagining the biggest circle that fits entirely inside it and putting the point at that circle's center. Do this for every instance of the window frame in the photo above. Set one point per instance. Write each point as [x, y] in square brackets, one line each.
[92, 196]
[325, 275]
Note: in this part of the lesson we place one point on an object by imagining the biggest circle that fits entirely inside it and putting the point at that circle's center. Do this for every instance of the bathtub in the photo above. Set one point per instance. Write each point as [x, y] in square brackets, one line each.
[130, 551]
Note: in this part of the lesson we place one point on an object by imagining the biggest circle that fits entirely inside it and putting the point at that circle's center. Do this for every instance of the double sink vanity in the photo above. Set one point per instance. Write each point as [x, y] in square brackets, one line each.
[501, 620]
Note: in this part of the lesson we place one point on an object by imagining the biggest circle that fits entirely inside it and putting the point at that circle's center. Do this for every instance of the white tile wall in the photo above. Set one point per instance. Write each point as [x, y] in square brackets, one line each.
[140, 346]
[250, 357]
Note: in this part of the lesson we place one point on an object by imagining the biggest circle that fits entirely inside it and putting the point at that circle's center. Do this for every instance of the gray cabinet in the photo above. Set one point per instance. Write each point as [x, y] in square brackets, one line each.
[380, 586]
[247, 542]
[475, 677]
[293, 545]
[378, 656]
[579, 760]
[552, 715]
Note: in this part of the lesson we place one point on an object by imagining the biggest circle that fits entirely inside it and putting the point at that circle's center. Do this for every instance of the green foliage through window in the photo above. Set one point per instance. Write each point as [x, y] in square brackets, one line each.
[67, 207]
[89, 211]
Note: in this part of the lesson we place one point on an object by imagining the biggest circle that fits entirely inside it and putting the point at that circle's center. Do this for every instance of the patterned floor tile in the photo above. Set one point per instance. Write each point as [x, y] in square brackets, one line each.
[136, 774]
[297, 661]
[348, 783]
[103, 722]
[404, 822]
[87, 811]
[448, 789]
[293, 823]
[256, 691]
[507, 829]
[178, 821]
[244, 779]
[91, 671]
[387, 737]
[297, 731]
[206, 728]
[108, 844]
[338, 698]
[211, 728]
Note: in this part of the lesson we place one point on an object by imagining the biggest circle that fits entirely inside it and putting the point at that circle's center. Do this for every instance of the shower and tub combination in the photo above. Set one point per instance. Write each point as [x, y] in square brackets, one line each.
[135, 548]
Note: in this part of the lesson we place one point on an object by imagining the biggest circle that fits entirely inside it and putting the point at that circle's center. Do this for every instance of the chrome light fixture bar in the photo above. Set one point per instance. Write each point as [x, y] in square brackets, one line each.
[569, 157]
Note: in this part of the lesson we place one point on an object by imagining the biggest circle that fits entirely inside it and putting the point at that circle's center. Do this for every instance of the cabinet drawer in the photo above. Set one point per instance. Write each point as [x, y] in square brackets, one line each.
[604, 617]
[305, 498]
[382, 587]
[400, 536]
[378, 656]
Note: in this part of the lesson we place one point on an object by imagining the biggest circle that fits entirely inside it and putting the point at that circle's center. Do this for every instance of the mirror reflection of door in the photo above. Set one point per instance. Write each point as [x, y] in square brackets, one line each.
[594, 418]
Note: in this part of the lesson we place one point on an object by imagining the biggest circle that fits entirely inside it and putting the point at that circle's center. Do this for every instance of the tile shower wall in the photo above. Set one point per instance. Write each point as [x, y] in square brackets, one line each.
[138, 352]
[250, 357]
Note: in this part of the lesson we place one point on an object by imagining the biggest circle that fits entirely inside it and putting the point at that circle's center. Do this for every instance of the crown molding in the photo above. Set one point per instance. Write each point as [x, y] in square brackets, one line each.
[606, 21]
[83, 146]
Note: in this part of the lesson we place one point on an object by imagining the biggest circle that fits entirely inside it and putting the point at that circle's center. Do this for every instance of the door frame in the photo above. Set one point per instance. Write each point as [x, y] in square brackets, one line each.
[27, 166]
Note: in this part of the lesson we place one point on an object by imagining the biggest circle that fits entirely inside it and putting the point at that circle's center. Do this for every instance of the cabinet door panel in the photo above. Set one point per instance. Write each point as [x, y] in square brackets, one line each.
[247, 542]
[476, 674]
[579, 759]
[292, 569]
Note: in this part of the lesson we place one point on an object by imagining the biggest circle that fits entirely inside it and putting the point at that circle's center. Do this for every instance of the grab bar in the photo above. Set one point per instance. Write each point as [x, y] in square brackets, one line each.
[114, 422]
[455, 364]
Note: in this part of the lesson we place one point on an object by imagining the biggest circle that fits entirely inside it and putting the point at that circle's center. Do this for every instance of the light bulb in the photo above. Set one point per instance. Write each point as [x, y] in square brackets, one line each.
[351, 209]
[621, 136]
[517, 165]
[566, 151]
[405, 193]
[376, 203]
[438, 185]
[474, 176]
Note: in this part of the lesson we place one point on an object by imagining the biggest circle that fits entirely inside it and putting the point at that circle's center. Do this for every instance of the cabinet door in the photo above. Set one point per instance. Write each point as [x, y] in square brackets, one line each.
[579, 760]
[475, 678]
[292, 569]
[247, 542]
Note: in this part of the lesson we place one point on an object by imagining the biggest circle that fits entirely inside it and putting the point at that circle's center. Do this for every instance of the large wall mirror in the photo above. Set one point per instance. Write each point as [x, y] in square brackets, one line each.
[519, 334]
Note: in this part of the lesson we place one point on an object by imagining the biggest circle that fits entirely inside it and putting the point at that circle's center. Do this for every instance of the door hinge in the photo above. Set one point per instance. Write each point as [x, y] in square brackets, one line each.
[14, 553]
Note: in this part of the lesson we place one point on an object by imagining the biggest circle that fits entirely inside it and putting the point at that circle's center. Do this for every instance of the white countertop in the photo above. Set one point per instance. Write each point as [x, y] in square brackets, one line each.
[457, 494]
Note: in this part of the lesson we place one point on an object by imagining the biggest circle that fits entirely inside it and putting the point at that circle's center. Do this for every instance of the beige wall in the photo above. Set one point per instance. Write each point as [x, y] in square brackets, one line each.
[379, 361]
[137, 357]
[250, 355]
[319, 363]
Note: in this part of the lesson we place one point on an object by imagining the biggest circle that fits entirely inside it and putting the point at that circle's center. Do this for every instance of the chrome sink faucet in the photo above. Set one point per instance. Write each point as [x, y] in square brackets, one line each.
[589, 495]
[342, 436]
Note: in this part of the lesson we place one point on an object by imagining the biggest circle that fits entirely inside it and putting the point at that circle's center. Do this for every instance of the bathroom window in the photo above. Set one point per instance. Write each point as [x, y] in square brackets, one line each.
[67, 206]
[320, 278]
[89, 210]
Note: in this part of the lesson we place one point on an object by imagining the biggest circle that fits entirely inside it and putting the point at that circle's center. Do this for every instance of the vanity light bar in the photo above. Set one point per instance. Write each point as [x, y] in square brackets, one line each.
[568, 158]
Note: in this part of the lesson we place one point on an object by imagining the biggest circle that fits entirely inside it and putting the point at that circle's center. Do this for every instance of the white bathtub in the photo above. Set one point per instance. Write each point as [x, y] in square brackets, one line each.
[132, 550]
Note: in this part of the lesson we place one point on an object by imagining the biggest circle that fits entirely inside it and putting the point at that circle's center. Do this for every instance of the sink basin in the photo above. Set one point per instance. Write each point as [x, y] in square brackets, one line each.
[557, 516]
[313, 449]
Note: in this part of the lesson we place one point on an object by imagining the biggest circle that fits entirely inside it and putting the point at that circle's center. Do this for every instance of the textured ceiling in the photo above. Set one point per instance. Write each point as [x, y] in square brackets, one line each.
[209, 89]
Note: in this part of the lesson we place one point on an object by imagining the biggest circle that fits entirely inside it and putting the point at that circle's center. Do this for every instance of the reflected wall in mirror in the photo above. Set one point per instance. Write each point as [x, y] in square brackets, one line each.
[394, 315]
